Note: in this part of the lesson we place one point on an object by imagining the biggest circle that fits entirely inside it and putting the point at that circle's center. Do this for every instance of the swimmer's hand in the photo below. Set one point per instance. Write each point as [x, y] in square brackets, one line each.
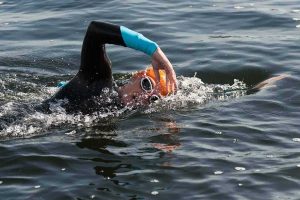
[160, 61]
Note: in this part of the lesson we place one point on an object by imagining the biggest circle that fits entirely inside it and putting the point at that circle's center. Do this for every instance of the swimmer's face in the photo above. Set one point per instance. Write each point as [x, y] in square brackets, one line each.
[141, 90]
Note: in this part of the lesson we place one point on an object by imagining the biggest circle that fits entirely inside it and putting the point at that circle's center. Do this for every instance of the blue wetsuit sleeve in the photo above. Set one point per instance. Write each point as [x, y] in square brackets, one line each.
[137, 41]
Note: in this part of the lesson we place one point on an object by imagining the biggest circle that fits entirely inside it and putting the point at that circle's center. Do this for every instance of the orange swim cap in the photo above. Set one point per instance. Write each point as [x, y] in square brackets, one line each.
[162, 76]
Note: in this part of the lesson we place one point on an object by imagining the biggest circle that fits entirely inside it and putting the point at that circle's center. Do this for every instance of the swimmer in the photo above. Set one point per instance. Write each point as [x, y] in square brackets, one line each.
[95, 73]
[85, 90]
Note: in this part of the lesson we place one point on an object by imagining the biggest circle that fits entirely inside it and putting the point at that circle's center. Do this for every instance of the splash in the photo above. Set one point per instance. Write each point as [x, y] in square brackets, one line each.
[192, 92]
[21, 93]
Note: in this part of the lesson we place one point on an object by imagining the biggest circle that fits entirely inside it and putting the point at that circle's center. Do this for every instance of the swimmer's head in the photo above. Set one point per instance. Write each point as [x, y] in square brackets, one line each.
[143, 88]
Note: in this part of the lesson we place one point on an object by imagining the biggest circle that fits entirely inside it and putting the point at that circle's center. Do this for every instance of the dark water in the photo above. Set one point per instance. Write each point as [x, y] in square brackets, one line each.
[197, 145]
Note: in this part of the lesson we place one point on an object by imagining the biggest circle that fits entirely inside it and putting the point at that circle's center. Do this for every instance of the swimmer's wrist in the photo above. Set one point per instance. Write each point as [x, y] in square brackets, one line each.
[137, 41]
[160, 57]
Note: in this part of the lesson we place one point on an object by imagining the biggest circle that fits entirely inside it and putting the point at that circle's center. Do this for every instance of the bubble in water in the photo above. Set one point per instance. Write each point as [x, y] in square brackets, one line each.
[37, 186]
[240, 184]
[63, 169]
[154, 192]
[154, 181]
[240, 168]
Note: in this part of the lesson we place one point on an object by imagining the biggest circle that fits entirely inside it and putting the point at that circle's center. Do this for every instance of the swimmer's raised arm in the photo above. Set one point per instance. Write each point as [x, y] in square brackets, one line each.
[94, 60]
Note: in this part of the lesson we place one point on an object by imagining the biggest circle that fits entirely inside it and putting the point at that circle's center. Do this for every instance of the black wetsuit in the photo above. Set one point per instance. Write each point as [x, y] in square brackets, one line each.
[95, 71]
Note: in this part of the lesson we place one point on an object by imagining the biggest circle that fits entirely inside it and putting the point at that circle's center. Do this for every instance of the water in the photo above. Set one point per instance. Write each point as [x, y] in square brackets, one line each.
[203, 144]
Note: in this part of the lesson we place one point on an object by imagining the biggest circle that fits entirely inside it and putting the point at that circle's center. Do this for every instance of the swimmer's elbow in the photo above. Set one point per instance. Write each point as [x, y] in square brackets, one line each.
[92, 27]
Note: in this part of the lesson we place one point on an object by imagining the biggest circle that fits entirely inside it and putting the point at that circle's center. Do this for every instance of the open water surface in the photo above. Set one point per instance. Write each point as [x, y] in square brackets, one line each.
[210, 141]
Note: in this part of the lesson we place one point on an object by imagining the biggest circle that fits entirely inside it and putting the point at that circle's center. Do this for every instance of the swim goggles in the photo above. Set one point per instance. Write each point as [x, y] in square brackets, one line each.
[147, 86]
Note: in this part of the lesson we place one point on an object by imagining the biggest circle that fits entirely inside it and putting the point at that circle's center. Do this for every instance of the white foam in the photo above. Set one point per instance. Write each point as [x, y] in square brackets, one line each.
[218, 172]
[240, 168]
[296, 139]
[71, 133]
[192, 91]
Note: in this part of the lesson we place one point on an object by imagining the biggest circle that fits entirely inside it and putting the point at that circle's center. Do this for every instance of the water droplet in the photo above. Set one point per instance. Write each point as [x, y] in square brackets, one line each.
[240, 168]
[219, 132]
[240, 184]
[37, 186]
[218, 172]
[63, 169]
[71, 133]
[296, 139]
[92, 196]
[154, 192]
[108, 178]
[154, 181]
